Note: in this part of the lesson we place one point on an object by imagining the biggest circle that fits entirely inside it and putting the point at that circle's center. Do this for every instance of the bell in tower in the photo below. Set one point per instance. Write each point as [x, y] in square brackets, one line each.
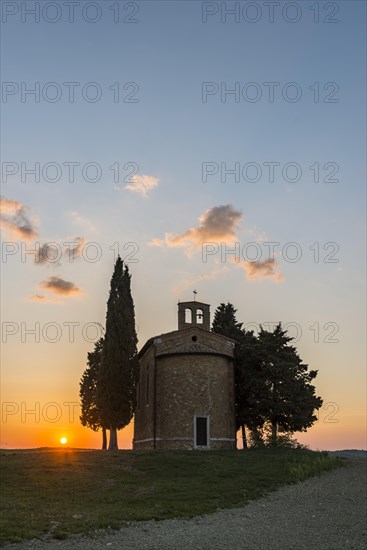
[191, 314]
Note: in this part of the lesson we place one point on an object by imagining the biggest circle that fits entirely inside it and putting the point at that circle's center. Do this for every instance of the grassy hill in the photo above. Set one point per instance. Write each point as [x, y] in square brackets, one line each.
[55, 492]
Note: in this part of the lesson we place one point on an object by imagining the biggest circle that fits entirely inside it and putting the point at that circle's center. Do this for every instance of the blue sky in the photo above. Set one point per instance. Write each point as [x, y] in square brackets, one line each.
[168, 133]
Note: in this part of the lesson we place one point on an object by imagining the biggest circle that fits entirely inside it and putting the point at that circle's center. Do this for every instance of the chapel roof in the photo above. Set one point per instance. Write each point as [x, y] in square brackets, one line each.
[190, 347]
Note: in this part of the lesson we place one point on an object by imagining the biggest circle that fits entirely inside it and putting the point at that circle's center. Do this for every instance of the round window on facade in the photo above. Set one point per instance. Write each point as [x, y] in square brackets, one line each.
[194, 338]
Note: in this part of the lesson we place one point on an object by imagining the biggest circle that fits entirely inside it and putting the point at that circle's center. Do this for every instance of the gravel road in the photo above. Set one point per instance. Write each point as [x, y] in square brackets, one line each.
[327, 513]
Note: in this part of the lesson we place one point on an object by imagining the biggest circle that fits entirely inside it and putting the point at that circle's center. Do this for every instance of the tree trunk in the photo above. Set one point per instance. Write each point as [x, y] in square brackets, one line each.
[104, 439]
[244, 438]
[273, 433]
[273, 437]
[113, 439]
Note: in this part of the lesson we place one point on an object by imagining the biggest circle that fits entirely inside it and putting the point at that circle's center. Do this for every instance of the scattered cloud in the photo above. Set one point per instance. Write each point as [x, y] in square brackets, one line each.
[15, 220]
[74, 252]
[37, 298]
[60, 286]
[52, 252]
[218, 224]
[41, 298]
[159, 243]
[142, 184]
[266, 269]
[46, 253]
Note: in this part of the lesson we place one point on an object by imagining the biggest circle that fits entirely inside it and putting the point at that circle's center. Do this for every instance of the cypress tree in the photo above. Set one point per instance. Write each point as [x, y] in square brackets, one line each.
[119, 364]
[90, 415]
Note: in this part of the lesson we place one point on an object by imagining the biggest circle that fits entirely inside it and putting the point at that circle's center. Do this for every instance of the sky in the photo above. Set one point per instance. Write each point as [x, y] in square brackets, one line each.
[217, 147]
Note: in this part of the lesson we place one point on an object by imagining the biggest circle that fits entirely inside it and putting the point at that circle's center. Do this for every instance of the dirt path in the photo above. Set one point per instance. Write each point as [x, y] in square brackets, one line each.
[326, 513]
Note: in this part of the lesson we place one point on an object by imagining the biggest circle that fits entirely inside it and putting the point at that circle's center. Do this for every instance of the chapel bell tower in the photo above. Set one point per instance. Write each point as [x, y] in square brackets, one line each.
[192, 314]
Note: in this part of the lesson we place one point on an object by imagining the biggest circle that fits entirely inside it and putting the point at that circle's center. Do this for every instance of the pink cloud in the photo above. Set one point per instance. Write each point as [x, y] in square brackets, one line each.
[60, 286]
[41, 298]
[142, 184]
[15, 221]
[266, 269]
[217, 224]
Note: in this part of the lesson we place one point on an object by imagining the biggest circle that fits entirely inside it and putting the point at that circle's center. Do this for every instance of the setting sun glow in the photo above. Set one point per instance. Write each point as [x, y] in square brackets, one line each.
[63, 440]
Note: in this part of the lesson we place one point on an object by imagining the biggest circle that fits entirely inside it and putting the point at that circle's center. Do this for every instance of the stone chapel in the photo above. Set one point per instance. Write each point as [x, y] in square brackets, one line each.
[185, 394]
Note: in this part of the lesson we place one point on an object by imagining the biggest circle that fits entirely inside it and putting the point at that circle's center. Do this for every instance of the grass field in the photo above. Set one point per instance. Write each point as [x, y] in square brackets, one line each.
[54, 492]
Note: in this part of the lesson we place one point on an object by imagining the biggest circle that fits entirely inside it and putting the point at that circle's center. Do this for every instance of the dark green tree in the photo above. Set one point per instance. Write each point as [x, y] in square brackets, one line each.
[247, 365]
[290, 401]
[275, 396]
[90, 415]
[225, 322]
[119, 363]
[251, 389]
